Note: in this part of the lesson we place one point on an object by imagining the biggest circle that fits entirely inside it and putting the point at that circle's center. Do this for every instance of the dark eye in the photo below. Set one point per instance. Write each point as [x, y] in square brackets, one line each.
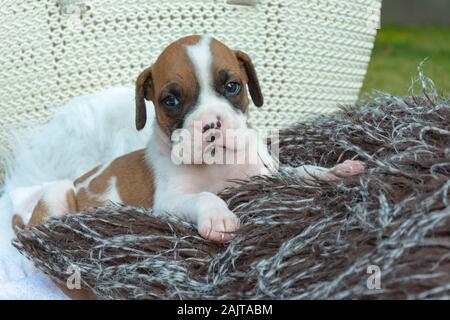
[232, 88]
[171, 101]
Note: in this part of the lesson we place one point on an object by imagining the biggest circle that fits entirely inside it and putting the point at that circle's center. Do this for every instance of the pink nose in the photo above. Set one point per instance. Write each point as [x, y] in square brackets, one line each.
[212, 124]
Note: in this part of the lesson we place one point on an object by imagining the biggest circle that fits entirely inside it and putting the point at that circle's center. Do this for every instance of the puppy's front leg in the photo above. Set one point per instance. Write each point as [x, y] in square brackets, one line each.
[209, 212]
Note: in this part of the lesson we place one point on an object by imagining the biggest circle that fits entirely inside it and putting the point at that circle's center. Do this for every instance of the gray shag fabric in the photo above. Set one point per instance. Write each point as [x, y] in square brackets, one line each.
[298, 241]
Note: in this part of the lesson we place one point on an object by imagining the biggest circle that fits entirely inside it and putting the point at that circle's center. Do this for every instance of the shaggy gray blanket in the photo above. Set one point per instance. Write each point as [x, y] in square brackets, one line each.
[382, 235]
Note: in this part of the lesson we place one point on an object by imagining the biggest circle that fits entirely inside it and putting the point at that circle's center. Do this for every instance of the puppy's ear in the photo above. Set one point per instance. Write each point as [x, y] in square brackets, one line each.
[253, 83]
[144, 91]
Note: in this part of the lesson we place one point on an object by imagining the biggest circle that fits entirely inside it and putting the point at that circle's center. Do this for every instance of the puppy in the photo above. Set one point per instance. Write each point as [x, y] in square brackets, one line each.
[198, 87]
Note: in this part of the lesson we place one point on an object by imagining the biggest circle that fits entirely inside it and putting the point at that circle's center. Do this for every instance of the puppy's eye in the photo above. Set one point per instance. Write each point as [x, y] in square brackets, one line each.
[232, 88]
[171, 101]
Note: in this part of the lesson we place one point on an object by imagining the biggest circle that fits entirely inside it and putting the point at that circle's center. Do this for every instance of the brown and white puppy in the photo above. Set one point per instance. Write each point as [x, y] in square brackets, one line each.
[199, 86]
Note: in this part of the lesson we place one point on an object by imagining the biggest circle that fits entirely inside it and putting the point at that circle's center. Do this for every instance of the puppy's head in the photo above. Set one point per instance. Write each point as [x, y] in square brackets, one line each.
[198, 83]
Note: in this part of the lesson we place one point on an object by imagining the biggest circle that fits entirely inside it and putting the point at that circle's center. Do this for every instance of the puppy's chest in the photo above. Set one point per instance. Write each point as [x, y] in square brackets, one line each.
[212, 178]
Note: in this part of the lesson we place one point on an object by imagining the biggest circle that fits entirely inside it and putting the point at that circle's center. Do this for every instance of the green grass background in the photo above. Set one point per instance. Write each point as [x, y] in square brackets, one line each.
[400, 49]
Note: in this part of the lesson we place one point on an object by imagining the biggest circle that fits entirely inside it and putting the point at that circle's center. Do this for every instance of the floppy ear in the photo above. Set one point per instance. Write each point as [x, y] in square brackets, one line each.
[144, 90]
[253, 83]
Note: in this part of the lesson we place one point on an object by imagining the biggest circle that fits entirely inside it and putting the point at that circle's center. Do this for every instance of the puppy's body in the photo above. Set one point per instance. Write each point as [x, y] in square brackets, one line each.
[200, 86]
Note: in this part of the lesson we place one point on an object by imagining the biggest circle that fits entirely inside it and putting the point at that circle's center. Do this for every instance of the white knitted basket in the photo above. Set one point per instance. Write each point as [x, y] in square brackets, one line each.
[311, 55]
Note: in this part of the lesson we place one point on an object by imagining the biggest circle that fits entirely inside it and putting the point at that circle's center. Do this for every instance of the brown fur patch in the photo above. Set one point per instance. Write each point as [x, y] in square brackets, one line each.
[225, 68]
[86, 176]
[40, 212]
[134, 183]
[99, 184]
[172, 73]
[71, 201]
[87, 200]
[17, 221]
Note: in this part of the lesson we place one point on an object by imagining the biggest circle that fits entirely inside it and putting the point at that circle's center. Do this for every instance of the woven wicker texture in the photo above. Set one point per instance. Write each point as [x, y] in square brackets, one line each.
[311, 55]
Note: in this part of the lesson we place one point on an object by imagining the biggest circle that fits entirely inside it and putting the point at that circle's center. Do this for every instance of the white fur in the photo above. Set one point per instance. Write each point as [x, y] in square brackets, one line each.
[24, 199]
[201, 58]
[89, 130]
[54, 194]
[112, 193]
[55, 197]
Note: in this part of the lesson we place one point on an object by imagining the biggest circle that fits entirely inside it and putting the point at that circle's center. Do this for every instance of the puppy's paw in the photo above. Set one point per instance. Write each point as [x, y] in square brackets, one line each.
[218, 225]
[348, 168]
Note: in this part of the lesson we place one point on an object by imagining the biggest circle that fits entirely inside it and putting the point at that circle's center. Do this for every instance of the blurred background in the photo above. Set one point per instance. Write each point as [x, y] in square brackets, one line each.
[411, 31]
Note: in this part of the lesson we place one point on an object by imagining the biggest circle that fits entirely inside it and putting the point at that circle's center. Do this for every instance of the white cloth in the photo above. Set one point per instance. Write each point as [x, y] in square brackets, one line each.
[36, 287]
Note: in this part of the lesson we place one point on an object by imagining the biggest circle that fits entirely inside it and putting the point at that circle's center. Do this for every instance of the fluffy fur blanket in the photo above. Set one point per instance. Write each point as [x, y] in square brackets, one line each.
[383, 235]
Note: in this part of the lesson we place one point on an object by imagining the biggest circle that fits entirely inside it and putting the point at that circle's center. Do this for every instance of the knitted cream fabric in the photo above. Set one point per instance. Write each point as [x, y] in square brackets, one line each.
[311, 55]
